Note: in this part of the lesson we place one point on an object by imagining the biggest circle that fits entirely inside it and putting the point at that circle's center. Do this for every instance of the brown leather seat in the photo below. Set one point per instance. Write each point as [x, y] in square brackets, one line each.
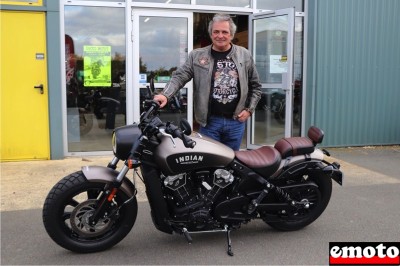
[294, 146]
[264, 160]
[300, 145]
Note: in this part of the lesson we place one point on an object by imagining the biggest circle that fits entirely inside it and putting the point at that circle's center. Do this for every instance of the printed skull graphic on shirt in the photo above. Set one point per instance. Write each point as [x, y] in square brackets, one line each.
[225, 82]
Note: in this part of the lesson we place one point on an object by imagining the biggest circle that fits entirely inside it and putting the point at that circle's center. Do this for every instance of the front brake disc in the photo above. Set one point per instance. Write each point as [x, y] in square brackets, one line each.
[80, 220]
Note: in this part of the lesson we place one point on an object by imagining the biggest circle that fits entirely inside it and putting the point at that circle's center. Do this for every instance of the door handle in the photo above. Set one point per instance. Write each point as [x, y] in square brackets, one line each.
[40, 87]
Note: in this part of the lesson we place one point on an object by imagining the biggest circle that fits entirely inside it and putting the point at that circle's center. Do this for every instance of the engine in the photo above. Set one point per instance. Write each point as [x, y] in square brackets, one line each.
[191, 195]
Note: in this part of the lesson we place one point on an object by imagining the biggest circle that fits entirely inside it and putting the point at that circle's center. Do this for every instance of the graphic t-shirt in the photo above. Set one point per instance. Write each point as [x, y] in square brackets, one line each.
[225, 87]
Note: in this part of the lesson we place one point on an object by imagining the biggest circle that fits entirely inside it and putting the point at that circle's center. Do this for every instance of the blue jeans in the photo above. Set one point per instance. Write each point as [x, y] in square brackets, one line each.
[227, 131]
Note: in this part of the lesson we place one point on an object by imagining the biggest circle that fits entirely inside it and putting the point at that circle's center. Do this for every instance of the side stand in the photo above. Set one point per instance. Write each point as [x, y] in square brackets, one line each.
[228, 238]
[226, 229]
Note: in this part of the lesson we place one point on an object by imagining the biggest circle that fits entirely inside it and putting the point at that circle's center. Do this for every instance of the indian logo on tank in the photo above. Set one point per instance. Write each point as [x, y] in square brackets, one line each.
[189, 159]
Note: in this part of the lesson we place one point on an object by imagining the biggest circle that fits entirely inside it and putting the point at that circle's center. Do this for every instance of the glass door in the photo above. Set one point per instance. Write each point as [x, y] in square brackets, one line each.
[161, 42]
[271, 43]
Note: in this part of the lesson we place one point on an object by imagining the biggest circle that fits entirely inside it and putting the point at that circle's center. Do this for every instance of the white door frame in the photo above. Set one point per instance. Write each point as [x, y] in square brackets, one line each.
[287, 78]
[133, 93]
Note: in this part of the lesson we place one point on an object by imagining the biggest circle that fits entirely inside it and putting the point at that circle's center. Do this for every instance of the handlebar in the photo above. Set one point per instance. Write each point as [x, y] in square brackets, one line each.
[151, 124]
[152, 106]
[176, 132]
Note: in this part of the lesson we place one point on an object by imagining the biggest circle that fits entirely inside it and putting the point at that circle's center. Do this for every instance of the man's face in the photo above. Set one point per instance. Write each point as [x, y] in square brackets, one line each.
[221, 36]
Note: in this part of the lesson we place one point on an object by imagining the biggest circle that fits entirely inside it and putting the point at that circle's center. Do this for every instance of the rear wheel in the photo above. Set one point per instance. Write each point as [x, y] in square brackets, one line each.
[317, 195]
[68, 207]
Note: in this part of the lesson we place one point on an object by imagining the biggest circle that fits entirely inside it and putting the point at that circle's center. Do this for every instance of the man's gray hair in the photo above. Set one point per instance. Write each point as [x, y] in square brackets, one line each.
[222, 17]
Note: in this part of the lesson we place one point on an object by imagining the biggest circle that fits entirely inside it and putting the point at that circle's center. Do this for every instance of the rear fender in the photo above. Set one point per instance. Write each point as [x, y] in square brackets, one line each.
[333, 171]
[107, 175]
[315, 167]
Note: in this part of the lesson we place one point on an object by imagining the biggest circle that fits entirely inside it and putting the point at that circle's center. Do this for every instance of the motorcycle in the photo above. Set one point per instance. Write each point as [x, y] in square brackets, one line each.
[193, 184]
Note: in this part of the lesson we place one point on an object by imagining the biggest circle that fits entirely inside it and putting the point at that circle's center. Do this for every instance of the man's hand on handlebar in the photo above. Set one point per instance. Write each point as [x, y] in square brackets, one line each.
[161, 99]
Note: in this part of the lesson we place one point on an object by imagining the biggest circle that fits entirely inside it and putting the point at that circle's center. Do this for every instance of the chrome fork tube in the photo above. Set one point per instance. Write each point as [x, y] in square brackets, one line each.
[122, 173]
[113, 163]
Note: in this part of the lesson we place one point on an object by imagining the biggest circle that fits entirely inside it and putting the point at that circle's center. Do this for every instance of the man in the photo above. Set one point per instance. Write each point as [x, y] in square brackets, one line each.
[226, 84]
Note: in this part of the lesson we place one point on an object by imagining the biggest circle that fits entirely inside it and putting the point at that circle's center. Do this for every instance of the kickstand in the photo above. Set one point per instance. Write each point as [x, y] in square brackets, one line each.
[187, 235]
[228, 237]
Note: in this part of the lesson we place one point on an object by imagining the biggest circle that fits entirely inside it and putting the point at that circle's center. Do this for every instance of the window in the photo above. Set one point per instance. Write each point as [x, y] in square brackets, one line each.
[95, 75]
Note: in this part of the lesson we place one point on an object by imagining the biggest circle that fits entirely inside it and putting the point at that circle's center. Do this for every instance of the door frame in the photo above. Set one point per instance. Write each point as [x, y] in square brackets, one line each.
[32, 89]
[63, 59]
[287, 78]
[133, 92]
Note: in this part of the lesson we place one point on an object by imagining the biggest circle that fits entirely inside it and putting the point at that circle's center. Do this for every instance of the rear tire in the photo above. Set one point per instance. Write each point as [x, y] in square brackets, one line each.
[319, 197]
[67, 208]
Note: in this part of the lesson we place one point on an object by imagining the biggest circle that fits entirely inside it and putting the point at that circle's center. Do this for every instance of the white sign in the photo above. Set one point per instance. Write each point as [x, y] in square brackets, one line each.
[142, 78]
[278, 64]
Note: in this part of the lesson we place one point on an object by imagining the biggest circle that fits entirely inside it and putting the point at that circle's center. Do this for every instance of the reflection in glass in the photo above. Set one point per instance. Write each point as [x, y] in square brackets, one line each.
[166, 1]
[163, 47]
[270, 40]
[298, 76]
[279, 4]
[95, 76]
[230, 3]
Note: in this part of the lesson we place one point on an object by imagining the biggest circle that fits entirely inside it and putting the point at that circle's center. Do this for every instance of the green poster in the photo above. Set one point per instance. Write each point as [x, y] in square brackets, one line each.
[97, 66]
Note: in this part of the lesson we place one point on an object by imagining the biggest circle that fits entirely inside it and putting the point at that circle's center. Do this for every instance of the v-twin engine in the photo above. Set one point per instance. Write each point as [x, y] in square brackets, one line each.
[191, 195]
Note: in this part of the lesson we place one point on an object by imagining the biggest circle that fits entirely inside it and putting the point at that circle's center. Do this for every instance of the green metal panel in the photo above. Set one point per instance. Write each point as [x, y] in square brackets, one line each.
[353, 71]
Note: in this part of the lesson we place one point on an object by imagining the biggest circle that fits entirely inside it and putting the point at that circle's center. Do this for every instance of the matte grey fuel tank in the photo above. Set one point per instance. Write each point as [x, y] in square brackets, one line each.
[207, 153]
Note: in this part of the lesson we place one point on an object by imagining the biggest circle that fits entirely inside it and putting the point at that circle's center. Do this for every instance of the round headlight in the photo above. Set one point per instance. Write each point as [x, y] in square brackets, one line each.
[114, 143]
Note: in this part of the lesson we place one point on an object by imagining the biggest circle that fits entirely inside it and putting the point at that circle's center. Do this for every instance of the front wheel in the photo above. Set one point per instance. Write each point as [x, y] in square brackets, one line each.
[68, 207]
[316, 195]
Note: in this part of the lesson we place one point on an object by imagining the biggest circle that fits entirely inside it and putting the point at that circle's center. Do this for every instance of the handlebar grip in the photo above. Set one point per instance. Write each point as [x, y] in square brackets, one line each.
[154, 106]
[177, 133]
[188, 142]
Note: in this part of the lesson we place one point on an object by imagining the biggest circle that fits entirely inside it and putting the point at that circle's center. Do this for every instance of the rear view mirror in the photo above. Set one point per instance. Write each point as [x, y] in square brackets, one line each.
[185, 127]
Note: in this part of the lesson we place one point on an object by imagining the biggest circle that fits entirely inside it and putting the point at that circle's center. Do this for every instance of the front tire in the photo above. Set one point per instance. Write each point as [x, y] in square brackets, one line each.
[318, 197]
[72, 201]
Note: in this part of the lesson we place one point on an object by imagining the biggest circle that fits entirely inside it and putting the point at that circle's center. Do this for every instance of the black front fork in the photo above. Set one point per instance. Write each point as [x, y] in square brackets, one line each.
[106, 202]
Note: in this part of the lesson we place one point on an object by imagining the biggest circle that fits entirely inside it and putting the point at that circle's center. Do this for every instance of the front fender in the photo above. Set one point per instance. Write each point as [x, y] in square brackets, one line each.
[107, 175]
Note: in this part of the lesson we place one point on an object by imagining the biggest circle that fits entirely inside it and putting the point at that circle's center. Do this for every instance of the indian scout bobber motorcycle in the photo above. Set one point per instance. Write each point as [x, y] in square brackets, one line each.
[193, 185]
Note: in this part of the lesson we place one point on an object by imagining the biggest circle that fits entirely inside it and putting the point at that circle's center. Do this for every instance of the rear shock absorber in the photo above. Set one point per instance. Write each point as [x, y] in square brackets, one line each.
[269, 187]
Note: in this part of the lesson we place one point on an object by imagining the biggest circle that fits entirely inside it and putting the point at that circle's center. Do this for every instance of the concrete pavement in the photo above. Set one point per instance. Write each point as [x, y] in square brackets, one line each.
[365, 209]
[24, 185]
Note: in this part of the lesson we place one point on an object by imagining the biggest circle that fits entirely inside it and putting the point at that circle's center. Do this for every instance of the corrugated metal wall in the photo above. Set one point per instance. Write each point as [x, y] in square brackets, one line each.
[353, 71]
